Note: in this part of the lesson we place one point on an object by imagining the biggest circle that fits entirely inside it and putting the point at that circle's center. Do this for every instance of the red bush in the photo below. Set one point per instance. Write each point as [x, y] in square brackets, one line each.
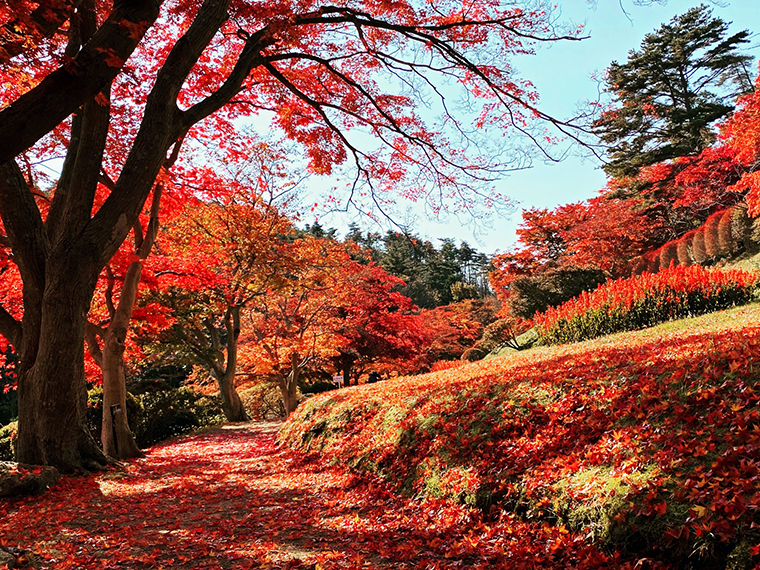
[726, 240]
[653, 261]
[712, 241]
[638, 265]
[669, 254]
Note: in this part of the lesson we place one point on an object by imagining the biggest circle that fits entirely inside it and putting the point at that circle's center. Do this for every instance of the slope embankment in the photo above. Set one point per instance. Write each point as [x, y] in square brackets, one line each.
[645, 444]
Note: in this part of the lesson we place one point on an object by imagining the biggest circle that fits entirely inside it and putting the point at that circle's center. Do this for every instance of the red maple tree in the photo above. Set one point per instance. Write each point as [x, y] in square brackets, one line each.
[136, 77]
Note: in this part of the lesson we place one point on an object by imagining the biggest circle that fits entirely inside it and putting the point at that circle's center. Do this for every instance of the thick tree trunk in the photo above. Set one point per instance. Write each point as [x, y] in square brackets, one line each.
[52, 428]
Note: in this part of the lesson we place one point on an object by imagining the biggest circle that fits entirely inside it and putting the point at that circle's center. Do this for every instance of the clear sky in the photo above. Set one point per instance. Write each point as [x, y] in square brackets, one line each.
[562, 74]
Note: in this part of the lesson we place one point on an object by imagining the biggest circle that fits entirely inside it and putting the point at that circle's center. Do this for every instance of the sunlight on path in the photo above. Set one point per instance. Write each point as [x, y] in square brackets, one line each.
[231, 499]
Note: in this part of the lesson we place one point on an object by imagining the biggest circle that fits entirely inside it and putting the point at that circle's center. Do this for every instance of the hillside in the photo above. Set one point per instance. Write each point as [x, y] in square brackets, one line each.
[646, 443]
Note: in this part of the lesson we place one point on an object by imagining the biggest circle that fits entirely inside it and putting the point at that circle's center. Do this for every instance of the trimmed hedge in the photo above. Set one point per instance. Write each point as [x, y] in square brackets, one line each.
[684, 249]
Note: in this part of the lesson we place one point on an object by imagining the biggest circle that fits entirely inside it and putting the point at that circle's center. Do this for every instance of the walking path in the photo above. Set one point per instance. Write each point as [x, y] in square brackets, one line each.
[225, 499]
[231, 499]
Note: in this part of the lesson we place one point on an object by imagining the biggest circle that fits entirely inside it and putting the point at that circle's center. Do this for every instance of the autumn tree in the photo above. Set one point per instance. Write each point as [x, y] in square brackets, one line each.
[453, 329]
[668, 95]
[741, 134]
[303, 312]
[241, 242]
[124, 82]
[377, 326]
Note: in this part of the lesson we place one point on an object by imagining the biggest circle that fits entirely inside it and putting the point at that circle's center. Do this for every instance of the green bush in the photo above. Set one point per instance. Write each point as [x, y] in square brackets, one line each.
[168, 413]
[95, 411]
[263, 401]
[8, 436]
[537, 293]
[318, 387]
[156, 411]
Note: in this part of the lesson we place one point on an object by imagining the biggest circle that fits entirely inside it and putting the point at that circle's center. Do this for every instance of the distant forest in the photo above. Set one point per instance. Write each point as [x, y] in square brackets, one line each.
[433, 276]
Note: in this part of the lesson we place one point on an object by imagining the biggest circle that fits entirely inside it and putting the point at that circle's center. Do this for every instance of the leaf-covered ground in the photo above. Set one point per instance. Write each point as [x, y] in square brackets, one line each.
[640, 450]
[232, 499]
[646, 443]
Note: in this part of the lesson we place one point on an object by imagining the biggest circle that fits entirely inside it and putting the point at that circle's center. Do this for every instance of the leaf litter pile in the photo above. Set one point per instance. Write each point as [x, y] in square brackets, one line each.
[232, 498]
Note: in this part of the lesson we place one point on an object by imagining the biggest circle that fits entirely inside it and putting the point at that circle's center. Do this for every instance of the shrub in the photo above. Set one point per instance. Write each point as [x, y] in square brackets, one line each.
[8, 434]
[645, 300]
[263, 400]
[499, 334]
[318, 387]
[698, 246]
[537, 293]
[684, 249]
[638, 265]
[712, 241]
[168, 413]
[653, 261]
[741, 228]
[669, 254]
[726, 242]
[156, 411]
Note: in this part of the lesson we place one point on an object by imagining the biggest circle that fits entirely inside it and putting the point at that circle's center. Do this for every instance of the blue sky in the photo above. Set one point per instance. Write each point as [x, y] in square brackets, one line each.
[562, 74]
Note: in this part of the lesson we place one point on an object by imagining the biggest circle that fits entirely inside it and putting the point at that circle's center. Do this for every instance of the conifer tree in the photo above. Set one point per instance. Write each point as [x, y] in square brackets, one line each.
[685, 77]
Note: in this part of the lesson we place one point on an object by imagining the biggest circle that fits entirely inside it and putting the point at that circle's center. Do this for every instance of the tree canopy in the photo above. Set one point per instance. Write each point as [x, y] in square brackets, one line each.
[120, 89]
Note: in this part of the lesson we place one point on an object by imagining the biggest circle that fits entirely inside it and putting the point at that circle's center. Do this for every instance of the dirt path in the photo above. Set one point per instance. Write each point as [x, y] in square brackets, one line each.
[231, 499]
[224, 499]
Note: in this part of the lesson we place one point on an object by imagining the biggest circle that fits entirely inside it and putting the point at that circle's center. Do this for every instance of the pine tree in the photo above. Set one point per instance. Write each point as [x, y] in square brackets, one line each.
[684, 78]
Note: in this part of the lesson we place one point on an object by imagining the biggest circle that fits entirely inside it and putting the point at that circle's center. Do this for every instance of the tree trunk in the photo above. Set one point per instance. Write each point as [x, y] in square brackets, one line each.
[232, 405]
[289, 385]
[116, 437]
[346, 362]
[52, 424]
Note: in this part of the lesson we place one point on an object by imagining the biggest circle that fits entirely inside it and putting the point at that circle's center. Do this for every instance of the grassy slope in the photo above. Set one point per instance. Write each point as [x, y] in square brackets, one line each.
[647, 442]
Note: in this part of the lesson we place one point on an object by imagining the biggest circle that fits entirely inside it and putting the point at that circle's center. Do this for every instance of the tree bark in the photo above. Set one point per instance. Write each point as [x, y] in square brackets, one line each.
[232, 405]
[52, 427]
[115, 436]
[346, 362]
[289, 384]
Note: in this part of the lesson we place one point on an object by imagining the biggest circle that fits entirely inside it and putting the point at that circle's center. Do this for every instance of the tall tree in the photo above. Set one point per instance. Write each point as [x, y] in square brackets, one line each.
[133, 78]
[300, 317]
[377, 326]
[668, 94]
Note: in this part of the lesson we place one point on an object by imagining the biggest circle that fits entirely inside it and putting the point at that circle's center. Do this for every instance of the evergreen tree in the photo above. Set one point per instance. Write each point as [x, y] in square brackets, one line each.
[684, 78]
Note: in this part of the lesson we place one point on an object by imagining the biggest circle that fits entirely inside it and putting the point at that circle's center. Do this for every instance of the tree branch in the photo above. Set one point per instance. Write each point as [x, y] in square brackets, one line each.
[10, 328]
[163, 123]
[64, 90]
[23, 225]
